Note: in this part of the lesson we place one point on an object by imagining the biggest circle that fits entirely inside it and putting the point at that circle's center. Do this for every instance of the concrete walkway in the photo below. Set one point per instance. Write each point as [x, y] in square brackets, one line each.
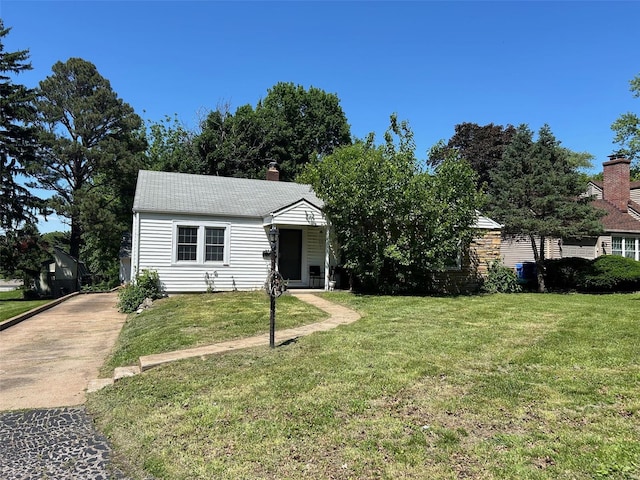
[48, 360]
[339, 315]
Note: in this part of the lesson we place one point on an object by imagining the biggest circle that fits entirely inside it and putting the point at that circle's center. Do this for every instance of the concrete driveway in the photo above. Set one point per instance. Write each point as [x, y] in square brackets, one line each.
[48, 360]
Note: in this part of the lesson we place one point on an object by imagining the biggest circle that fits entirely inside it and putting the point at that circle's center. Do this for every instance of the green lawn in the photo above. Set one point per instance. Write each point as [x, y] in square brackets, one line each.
[184, 321]
[12, 304]
[524, 386]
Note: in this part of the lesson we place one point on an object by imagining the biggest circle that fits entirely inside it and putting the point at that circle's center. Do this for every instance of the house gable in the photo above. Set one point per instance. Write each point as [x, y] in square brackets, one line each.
[301, 212]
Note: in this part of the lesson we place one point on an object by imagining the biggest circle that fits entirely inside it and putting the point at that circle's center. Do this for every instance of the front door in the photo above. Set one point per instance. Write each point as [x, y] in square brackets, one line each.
[290, 254]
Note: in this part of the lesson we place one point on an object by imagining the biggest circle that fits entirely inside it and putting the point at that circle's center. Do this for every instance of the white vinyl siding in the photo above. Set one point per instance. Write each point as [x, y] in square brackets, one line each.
[244, 267]
[302, 213]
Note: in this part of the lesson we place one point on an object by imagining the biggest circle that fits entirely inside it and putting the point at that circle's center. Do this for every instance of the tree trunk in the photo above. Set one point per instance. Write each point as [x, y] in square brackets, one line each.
[75, 238]
[538, 256]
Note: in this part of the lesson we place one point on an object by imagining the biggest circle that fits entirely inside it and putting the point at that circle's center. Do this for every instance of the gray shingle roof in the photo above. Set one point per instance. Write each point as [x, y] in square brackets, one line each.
[166, 192]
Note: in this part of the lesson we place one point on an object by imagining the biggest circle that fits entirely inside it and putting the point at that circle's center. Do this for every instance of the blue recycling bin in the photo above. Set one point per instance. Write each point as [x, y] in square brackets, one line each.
[526, 272]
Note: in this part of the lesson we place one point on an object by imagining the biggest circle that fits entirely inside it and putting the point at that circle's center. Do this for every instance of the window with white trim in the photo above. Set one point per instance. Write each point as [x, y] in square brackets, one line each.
[214, 244]
[187, 244]
[626, 247]
[201, 243]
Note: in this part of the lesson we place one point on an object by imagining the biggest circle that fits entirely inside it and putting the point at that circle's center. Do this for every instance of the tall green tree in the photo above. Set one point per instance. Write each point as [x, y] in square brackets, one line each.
[481, 145]
[17, 139]
[627, 130]
[172, 148]
[91, 145]
[233, 145]
[19, 237]
[291, 125]
[394, 223]
[537, 193]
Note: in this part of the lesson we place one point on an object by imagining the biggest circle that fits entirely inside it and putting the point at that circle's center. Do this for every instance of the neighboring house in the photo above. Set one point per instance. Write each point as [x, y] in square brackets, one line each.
[619, 198]
[61, 275]
[204, 233]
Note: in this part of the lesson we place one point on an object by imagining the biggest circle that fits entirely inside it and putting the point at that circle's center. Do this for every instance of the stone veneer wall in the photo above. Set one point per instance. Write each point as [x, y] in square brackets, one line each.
[484, 249]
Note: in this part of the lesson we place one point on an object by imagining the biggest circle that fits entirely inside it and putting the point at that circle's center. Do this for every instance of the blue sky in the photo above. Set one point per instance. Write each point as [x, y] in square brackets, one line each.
[435, 64]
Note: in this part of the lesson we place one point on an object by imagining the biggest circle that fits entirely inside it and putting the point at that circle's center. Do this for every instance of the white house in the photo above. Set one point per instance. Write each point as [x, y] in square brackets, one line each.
[211, 233]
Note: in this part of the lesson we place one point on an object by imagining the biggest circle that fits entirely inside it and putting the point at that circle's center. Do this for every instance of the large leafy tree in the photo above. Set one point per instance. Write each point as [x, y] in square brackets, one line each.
[537, 192]
[233, 145]
[481, 145]
[171, 147]
[19, 248]
[627, 130]
[91, 149]
[394, 223]
[291, 125]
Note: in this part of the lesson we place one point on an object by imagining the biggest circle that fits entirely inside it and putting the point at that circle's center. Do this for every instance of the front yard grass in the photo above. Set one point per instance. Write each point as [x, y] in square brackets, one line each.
[12, 304]
[523, 386]
[185, 321]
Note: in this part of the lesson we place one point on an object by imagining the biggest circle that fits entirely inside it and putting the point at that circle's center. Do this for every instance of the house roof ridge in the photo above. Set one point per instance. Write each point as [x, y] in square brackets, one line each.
[185, 193]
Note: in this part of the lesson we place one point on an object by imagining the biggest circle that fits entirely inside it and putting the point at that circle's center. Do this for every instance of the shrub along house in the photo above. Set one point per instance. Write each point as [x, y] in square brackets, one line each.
[203, 233]
[619, 198]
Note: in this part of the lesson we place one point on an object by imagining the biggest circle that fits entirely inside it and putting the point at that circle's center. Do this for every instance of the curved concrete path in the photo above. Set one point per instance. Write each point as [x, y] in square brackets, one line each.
[339, 315]
[48, 360]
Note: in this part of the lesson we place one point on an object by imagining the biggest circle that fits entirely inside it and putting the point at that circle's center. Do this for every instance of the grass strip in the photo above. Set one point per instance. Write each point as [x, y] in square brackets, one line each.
[12, 304]
[192, 320]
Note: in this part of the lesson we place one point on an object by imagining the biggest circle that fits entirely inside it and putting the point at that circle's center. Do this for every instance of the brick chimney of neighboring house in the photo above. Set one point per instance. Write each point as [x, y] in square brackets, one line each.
[616, 181]
[272, 172]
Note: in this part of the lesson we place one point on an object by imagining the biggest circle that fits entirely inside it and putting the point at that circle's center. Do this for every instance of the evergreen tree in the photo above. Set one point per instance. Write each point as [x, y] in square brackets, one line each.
[537, 192]
[17, 139]
[91, 149]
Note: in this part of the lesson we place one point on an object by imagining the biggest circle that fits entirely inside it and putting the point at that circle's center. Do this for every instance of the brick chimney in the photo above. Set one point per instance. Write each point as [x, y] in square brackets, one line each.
[616, 181]
[272, 172]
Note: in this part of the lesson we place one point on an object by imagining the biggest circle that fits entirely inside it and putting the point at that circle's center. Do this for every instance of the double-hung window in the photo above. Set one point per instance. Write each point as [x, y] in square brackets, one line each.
[187, 244]
[201, 243]
[214, 244]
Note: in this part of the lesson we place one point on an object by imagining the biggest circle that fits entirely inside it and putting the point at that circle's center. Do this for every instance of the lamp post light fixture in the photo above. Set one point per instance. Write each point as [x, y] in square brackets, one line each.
[273, 284]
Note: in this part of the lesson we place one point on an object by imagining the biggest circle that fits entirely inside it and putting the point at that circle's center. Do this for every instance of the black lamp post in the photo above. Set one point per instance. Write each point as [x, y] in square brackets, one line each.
[273, 240]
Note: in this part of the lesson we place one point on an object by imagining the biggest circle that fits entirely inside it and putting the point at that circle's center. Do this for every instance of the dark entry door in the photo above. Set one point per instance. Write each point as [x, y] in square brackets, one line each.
[290, 254]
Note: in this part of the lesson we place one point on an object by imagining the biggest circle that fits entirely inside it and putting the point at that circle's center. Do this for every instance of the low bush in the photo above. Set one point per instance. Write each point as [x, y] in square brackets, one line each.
[501, 279]
[608, 273]
[564, 274]
[147, 285]
[611, 273]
